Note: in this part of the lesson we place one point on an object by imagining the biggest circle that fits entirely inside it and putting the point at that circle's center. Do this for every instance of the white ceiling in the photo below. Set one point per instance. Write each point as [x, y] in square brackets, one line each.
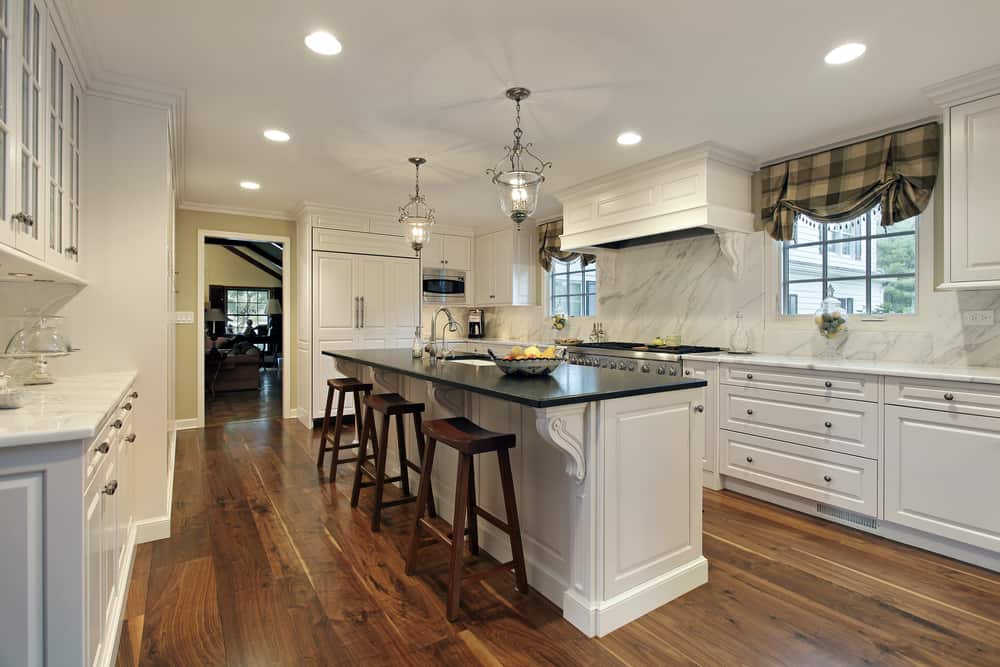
[427, 78]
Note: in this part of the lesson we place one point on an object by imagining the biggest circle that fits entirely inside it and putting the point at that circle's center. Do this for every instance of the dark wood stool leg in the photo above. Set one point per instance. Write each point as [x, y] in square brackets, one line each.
[510, 503]
[424, 500]
[382, 444]
[418, 427]
[458, 537]
[362, 457]
[404, 470]
[326, 428]
[359, 408]
[337, 428]
[471, 512]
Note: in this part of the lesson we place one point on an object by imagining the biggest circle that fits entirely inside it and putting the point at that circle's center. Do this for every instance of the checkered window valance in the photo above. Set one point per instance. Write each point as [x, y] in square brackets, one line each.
[898, 169]
[549, 246]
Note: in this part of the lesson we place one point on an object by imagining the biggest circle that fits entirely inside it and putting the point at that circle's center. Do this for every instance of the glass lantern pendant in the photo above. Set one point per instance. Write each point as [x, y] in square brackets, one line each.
[416, 214]
[518, 185]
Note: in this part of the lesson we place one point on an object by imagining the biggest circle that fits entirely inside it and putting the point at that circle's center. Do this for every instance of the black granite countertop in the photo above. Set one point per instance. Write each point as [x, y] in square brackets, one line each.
[567, 384]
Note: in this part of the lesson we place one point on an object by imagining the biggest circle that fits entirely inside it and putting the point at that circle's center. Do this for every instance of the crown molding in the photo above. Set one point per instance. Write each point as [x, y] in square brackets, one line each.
[316, 208]
[707, 150]
[202, 207]
[965, 88]
[71, 30]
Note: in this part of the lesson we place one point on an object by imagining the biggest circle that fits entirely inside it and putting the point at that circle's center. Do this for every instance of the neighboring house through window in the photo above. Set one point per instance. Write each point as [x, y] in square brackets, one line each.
[572, 288]
[871, 269]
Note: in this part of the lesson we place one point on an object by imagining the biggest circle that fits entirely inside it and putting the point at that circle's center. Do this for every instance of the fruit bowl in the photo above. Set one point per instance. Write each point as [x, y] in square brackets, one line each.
[528, 362]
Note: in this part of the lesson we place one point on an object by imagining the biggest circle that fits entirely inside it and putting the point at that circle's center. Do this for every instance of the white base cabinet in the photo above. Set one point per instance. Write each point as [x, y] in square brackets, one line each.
[941, 474]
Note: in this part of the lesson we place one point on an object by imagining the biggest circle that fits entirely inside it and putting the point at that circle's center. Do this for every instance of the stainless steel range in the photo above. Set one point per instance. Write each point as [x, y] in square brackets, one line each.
[634, 357]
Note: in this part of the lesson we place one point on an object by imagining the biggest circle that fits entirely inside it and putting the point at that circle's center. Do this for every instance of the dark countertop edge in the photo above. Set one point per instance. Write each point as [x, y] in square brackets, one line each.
[578, 398]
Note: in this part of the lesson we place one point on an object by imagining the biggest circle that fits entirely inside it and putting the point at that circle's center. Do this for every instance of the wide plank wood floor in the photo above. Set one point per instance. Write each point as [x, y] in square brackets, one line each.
[269, 565]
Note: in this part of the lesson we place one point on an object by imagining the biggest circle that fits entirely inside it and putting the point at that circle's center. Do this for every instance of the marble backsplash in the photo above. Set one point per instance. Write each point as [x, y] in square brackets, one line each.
[688, 287]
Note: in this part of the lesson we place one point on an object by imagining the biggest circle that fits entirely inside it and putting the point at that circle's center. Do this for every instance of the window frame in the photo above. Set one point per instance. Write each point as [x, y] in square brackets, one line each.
[863, 242]
[550, 295]
[264, 319]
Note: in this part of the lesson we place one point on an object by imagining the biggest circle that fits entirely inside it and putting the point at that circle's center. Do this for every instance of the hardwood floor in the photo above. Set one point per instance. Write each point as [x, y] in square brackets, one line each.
[268, 565]
[231, 406]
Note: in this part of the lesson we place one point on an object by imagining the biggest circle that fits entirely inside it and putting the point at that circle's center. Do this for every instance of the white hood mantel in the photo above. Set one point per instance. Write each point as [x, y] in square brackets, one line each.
[705, 187]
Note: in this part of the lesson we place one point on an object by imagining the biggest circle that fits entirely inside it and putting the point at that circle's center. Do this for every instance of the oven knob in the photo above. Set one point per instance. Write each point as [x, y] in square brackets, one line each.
[645, 368]
[673, 371]
[622, 365]
[604, 363]
[661, 371]
[631, 365]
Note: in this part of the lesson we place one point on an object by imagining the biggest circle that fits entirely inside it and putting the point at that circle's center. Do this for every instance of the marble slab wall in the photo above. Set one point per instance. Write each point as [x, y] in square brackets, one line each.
[688, 287]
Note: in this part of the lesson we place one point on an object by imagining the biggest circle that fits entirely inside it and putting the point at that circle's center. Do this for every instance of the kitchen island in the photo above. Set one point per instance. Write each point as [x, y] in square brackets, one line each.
[607, 473]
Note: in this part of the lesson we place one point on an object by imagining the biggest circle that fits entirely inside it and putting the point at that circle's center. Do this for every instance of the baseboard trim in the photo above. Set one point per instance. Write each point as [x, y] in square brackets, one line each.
[185, 424]
[152, 529]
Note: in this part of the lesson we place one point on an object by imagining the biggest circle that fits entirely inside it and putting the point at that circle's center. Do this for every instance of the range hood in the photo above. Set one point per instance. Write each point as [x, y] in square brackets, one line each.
[701, 190]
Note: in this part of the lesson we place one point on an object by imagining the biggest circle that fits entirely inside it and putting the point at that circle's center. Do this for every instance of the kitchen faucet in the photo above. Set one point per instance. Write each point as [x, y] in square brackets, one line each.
[451, 325]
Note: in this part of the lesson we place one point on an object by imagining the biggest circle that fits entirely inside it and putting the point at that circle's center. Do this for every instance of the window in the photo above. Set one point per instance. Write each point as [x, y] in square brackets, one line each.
[245, 303]
[572, 288]
[871, 269]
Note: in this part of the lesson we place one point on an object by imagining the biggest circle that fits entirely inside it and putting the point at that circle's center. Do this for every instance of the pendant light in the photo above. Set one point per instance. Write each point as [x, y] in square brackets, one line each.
[416, 214]
[517, 187]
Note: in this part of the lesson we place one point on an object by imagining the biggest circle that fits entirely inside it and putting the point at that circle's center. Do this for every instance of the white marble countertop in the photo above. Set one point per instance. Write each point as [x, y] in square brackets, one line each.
[985, 374]
[73, 408]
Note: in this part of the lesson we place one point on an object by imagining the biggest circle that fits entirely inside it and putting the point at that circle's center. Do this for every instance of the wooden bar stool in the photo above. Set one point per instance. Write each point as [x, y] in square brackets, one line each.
[468, 439]
[389, 405]
[343, 385]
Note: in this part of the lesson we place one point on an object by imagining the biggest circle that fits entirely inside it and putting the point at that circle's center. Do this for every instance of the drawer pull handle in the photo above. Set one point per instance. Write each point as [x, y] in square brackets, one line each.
[134, 395]
[699, 408]
[828, 424]
[949, 397]
[749, 459]
[117, 423]
[749, 376]
[103, 448]
[827, 478]
[749, 411]
[687, 372]
[828, 384]
[110, 487]
[128, 406]
[130, 437]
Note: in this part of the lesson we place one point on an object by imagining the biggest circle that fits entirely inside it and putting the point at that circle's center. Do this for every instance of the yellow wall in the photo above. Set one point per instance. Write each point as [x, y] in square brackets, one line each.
[189, 339]
[224, 268]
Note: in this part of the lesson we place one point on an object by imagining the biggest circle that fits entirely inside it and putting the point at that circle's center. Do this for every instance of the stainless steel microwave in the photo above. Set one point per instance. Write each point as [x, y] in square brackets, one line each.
[444, 286]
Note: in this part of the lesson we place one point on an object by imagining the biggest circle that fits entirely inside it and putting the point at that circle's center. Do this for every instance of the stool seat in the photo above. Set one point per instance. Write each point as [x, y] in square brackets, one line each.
[467, 436]
[349, 384]
[392, 404]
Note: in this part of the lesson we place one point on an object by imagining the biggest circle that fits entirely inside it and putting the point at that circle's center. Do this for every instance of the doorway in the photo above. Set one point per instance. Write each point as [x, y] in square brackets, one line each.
[243, 352]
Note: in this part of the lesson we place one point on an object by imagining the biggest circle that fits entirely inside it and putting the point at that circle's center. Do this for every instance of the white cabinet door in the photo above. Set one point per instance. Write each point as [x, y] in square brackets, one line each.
[484, 275]
[503, 267]
[93, 565]
[9, 20]
[432, 255]
[941, 474]
[125, 495]
[29, 58]
[373, 285]
[707, 371]
[974, 198]
[336, 313]
[108, 481]
[402, 301]
[456, 252]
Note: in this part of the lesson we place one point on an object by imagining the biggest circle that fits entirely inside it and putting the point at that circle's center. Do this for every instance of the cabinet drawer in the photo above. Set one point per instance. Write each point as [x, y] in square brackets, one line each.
[960, 397]
[836, 479]
[840, 425]
[100, 450]
[838, 385]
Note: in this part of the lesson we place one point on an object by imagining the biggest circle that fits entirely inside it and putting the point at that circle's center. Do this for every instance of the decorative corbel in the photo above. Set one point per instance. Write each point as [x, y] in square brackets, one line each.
[564, 427]
[449, 399]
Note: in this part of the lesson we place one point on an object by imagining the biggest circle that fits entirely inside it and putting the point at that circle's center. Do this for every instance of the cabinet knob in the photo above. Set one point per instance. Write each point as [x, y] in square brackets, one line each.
[23, 218]
[71, 250]
[749, 376]
[749, 411]
[827, 478]
[828, 384]
[828, 424]
[699, 408]
[134, 395]
[110, 488]
[949, 397]
[749, 459]
[687, 372]
[130, 437]
[128, 406]
[103, 448]
[117, 423]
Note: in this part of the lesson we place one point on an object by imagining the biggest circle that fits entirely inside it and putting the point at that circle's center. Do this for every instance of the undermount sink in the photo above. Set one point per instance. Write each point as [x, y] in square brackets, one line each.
[471, 362]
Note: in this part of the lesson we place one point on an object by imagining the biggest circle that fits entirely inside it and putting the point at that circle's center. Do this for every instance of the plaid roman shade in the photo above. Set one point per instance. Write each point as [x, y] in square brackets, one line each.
[898, 169]
[549, 244]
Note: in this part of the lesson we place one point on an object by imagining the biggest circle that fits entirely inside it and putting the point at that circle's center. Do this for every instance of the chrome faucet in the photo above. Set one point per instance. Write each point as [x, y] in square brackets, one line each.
[451, 325]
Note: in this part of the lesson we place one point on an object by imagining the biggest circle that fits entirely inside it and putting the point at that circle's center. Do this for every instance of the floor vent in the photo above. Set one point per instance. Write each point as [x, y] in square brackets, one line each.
[847, 515]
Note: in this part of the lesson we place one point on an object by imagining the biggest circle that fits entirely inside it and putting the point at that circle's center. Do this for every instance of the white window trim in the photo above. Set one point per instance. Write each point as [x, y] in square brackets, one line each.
[918, 321]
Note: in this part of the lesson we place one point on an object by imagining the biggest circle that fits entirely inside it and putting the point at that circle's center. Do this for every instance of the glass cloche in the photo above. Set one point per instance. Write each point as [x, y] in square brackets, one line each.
[831, 317]
[37, 338]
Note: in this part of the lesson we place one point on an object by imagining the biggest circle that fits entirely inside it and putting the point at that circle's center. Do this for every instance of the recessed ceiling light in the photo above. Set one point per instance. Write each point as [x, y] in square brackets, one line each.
[629, 138]
[323, 43]
[249, 185]
[844, 53]
[277, 135]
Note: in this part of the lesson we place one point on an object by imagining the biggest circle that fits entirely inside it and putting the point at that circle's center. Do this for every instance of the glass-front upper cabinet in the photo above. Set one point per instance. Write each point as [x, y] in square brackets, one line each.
[62, 204]
[7, 228]
[28, 219]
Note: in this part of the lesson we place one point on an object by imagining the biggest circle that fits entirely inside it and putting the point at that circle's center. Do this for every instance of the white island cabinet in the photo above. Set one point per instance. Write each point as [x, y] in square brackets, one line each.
[607, 475]
[66, 517]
